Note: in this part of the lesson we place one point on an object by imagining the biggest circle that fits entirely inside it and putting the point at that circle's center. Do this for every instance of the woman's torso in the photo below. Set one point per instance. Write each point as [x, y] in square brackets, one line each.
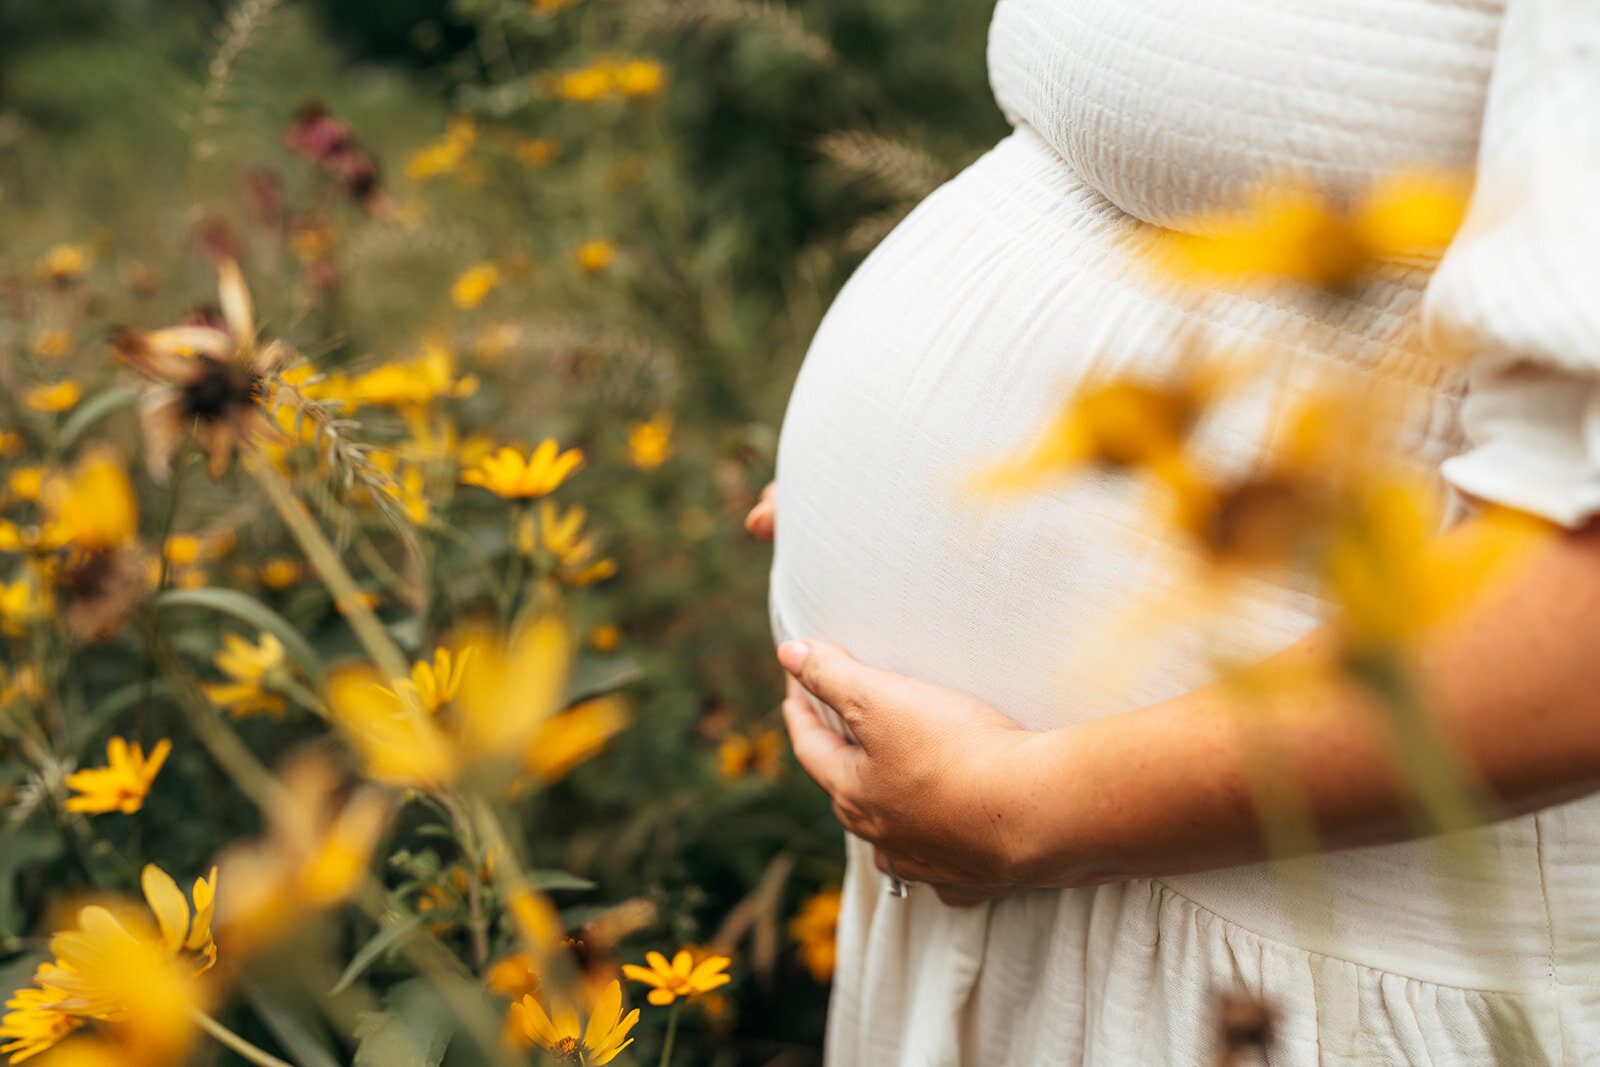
[981, 313]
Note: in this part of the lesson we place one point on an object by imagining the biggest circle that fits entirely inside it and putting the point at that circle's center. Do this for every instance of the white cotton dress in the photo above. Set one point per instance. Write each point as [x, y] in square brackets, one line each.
[1008, 287]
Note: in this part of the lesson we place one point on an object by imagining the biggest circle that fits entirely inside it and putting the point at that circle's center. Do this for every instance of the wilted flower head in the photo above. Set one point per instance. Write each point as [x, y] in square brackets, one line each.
[212, 379]
[329, 143]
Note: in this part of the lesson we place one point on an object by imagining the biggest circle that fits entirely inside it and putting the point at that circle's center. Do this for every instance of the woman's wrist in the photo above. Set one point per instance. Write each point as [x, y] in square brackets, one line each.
[1035, 811]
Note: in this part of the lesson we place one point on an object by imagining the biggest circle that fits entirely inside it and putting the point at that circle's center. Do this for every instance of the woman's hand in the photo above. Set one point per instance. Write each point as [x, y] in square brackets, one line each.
[931, 783]
[764, 516]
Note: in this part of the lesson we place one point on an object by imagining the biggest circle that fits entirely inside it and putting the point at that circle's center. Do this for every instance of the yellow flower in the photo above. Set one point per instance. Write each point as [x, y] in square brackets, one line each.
[445, 154]
[312, 241]
[281, 573]
[436, 684]
[640, 77]
[248, 666]
[761, 752]
[605, 637]
[33, 1021]
[315, 854]
[53, 398]
[560, 1034]
[513, 976]
[509, 474]
[93, 507]
[816, 928]
[51, 343]
[536, 152]
[123, 970]
[64, 263]
[122, 784]
[567, 739]
[10, 443]
[587, 85]
[1291, 229]
[21, 605]
[595, 255]
[550, 7]
[536, 922]
[650, 443]
[680, 978]
[495, 708]
[474, 285]
[26, 482]
[412, 382]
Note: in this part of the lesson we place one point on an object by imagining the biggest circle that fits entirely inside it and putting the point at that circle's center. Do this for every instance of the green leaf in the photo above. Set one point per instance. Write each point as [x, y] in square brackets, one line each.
[92, 411]
[106, 712]
[596, 676]
[381, 942]
[26, 849]
[412, 1031]
[549, 880]
[248, 609]
[290, 1028]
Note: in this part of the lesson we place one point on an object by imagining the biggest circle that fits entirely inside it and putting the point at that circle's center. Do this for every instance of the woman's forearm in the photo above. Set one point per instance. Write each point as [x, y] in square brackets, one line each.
[1511, 690]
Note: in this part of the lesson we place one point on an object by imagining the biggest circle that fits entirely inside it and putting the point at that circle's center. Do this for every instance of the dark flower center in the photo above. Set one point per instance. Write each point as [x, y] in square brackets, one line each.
[221, 387]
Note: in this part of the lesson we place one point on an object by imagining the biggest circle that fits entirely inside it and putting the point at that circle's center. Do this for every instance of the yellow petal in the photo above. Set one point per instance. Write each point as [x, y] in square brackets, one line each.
[169, 905]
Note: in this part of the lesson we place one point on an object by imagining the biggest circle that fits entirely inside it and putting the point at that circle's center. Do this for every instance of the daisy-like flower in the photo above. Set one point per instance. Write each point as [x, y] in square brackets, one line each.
[413, 382]
[122, 784]
[248, 667]
[21, 605]
[816, 928]
[510, 474]
[34, 1022]
[64, 264]
[561, 1035]
[437, 683]
[639, 77]
[562, 535]
[212, 379]
[650, 443]
[680, 978]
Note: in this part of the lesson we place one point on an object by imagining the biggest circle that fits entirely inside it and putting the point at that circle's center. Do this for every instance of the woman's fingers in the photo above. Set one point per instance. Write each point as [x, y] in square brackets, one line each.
[763, 517]
[834, 677]
[830, 760]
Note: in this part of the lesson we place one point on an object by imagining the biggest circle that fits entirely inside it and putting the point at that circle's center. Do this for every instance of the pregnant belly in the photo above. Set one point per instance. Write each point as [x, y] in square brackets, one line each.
[947, 350]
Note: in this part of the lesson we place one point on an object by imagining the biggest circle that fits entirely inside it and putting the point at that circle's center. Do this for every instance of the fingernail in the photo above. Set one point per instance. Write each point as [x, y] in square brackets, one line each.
[792, 654]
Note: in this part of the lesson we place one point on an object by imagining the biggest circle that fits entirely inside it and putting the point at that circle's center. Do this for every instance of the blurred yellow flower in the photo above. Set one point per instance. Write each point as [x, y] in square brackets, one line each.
[26, 482]
[436, 683]
[182, 549]
[639, 77]
[605, 637]
[93, 507]
[595, 255]
[815, 928]
[121, 969]
[445, 154]
[650, 443]
[536, 151]
[248, 667]
[10, 443]
[560, 1034]
[281, 573]
[572, 736]
[680, 978]
[54, 398]
[64, 263]
[536, 921]
[122, 784]
[509, 474]
[513, 976]
[550, 7]
[33, 1021]
[413, 382]
[51, 343]
[585, 86]
[761, 753]
[398, 744]
[474, 285]
[312, 240]
[1289, 228]
[21, 604]
[315, 855]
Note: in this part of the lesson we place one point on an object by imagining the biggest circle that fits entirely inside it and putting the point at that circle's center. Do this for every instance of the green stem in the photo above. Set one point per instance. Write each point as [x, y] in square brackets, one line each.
[238, 1044]
[302, 696]
[672, 1033]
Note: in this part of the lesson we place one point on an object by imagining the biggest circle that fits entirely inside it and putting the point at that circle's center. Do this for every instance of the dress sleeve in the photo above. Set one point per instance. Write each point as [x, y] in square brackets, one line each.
[1517, 295]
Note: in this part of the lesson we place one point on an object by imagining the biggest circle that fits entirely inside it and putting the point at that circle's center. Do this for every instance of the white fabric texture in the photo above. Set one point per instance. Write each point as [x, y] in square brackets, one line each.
[1007, 288]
